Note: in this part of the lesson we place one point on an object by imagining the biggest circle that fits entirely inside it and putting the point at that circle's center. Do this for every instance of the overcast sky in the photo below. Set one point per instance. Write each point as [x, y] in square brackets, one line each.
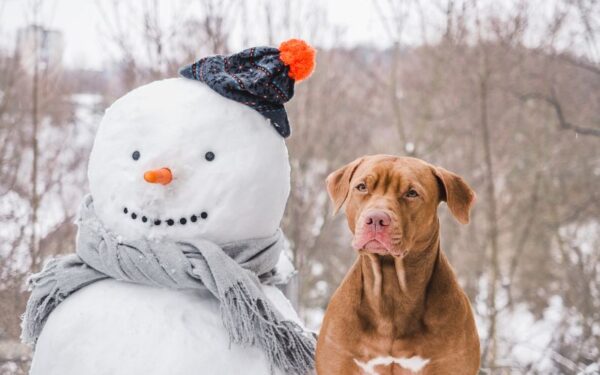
[86, 42]
[81, 24]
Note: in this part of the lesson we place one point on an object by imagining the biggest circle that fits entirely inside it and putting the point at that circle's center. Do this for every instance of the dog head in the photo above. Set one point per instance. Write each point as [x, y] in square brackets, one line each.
[391, 202]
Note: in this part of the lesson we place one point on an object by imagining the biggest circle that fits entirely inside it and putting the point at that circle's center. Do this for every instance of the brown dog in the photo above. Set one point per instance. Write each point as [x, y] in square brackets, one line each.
[400, 309]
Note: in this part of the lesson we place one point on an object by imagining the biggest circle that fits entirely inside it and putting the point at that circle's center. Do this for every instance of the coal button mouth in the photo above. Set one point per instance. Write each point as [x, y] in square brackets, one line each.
[169, 222]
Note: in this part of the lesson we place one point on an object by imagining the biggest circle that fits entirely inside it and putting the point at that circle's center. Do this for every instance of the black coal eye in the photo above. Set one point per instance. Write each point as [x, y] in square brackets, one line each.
[135, 155]
[412, 193]
[210, 156]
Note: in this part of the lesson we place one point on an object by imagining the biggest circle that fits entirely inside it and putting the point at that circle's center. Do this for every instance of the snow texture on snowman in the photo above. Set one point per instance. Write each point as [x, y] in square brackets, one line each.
[179, 248]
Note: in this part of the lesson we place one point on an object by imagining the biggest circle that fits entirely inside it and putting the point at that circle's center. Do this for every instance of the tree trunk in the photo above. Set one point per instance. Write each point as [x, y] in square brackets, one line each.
[35, 261]
[490, 352]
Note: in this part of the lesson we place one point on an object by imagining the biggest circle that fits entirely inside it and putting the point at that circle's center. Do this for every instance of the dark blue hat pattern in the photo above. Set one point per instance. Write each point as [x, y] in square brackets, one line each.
[256, 77]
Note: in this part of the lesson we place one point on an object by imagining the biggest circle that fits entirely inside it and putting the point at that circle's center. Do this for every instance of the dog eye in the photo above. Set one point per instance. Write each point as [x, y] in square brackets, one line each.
[362, 187]
[412, 193]
[135, 155]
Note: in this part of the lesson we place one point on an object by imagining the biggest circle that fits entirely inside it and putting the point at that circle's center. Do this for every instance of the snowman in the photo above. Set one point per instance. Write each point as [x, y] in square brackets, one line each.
[179, 249]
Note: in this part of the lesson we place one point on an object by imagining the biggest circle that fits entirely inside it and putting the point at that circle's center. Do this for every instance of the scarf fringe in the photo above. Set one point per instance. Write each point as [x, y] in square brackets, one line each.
[37, 311]
[251, 322]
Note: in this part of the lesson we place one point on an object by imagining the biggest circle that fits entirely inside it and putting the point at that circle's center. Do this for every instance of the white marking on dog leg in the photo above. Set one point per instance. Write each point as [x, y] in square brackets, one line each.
[414, 364]
[369, 367]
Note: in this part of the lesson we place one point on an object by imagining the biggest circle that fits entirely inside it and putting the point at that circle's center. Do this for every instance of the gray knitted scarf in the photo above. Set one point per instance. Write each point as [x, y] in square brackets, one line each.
[229, 272]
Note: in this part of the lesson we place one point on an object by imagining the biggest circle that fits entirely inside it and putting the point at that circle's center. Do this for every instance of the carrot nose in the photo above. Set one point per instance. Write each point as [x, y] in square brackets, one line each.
[159, 176]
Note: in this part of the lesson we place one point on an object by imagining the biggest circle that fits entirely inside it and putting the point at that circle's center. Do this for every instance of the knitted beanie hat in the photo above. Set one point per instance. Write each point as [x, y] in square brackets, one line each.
[261, 77]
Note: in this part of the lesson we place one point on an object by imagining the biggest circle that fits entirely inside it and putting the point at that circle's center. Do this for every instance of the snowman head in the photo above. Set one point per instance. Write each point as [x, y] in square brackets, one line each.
[202, 156]
[174, 159]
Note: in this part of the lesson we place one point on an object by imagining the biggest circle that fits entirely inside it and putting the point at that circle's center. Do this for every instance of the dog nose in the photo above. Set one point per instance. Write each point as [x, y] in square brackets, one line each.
[377, 220]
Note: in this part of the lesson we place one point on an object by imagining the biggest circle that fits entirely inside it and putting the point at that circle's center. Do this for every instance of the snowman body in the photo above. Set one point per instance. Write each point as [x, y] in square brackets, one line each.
[116, 328]
[225, 177]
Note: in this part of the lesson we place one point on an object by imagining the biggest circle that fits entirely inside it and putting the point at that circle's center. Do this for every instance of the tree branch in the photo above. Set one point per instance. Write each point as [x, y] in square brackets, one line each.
[563, 123]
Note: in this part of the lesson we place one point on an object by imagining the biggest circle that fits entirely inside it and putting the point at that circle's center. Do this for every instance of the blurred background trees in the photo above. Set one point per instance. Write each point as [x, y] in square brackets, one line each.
[506, 94]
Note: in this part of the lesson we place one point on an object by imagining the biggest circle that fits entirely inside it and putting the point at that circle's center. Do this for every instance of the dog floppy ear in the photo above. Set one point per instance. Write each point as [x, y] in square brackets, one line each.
[338, 183]
[456, 193]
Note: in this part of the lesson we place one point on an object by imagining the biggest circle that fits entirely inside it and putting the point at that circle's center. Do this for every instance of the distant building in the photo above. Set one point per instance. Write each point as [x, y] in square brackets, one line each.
[50, 46]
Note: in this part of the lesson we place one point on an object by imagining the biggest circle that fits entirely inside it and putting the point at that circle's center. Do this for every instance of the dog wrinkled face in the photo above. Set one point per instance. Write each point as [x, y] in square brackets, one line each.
[391, 202]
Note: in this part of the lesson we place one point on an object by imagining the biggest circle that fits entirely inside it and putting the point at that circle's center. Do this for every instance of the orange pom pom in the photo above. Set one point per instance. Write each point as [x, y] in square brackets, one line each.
[299, 56]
